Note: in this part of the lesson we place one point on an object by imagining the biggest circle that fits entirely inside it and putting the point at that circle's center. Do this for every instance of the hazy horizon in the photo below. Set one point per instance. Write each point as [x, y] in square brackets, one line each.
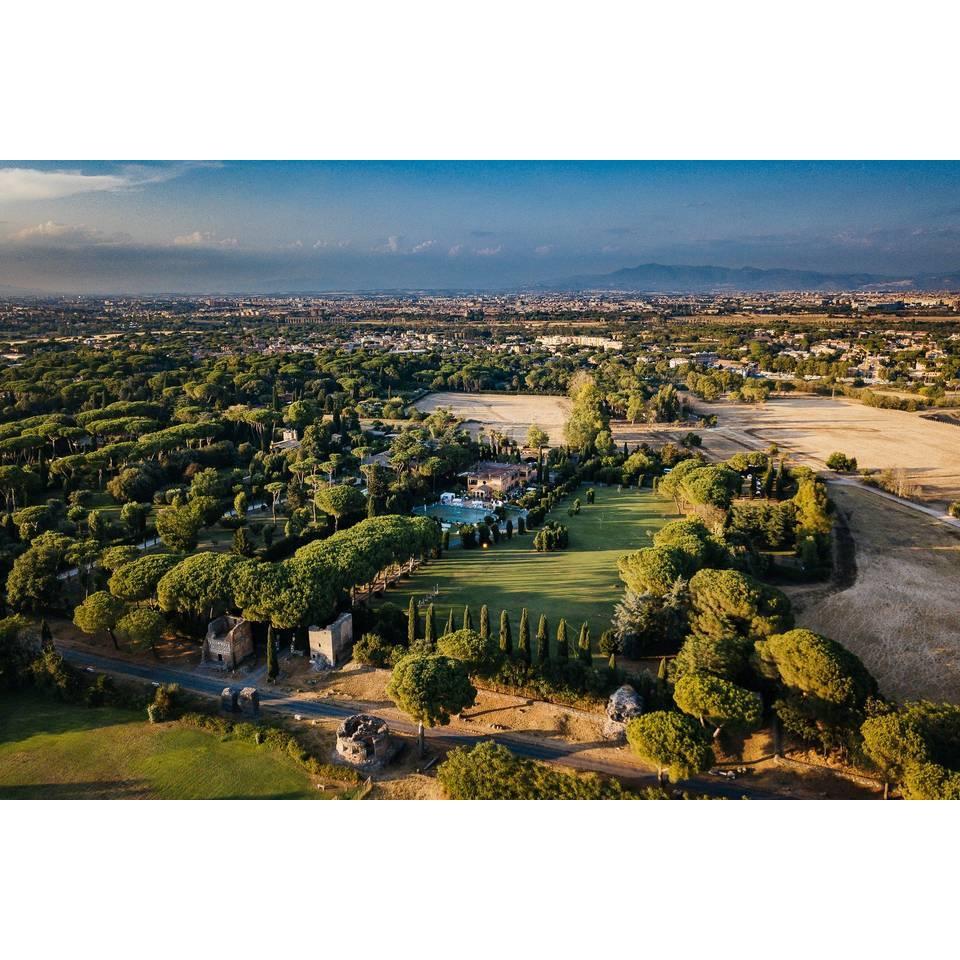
[298, 227]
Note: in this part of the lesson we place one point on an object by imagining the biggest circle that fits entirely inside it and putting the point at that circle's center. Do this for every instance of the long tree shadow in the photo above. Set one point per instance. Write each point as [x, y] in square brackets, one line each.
[26, 715]
[83, 790]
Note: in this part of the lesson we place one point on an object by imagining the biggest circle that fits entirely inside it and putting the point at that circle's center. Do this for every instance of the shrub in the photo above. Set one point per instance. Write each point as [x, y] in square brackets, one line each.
[372, 650]
[490, 771]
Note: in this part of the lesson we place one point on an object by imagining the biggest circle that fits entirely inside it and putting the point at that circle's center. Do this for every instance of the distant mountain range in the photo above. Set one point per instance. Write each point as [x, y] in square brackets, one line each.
[671, 278]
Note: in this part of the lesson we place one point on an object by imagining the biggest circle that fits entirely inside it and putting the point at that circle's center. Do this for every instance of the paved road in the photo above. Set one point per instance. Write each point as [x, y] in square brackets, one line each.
[565, 753]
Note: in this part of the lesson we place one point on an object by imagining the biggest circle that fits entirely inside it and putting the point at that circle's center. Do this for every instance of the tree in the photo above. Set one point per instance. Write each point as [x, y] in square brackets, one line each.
[611, 646]
[537, 438]
[523, 641]
[484, 621]
[429, 689]
[915, 745]
[32, 583]
[412, 621]
[430, 628]
[100, 611]
[543, 640]
[137, 581]
[506, 635]
[840, 462]
[893, 742]
[467, 618]
[468, 646]
[340, 501]
[825, 686]
[273, 668]
[583, 645]
[134, 516]
[587, 417]
[670, 741]
[449, 627]
[563, 650]
[98, 525]
[243, 545]
[142, 627]
[652, 570]
[178, 527]
[717, 701]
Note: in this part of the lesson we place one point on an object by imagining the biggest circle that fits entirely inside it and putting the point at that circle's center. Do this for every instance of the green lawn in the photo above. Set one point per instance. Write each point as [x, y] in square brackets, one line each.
[56, 751]
[579, 583]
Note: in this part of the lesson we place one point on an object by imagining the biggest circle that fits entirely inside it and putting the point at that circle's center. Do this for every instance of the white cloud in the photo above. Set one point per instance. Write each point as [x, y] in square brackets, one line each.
[331, 244]
[199, 239]
[62, 233]
[426, 245]
[489, 251]
[455, 250]
[393, 244]
[24, 183]
[544, 250]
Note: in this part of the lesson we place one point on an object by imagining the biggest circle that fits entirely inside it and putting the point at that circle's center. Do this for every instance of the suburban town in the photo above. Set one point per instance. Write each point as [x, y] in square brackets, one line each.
[510, 547]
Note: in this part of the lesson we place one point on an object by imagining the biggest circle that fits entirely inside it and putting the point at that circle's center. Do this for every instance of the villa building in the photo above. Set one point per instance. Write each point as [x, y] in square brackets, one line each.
[489, 480]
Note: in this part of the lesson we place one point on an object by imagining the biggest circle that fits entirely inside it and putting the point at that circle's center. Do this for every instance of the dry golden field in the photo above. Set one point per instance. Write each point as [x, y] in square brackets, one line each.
[811, 428]
[509, 413]
[900, 616]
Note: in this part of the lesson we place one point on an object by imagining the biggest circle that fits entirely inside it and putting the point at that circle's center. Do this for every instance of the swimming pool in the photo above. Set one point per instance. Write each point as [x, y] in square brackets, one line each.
[452, 514]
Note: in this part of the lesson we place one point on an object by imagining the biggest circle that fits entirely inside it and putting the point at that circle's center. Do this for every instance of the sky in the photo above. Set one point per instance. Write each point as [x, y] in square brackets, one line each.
[275, 227]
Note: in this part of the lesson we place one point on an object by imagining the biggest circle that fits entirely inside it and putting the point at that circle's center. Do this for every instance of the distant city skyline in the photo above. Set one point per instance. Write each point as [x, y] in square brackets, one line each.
[192, 227]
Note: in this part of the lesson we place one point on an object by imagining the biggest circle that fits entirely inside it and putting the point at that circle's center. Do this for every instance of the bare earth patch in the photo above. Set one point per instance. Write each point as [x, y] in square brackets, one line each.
[811, 428]
[509, 413]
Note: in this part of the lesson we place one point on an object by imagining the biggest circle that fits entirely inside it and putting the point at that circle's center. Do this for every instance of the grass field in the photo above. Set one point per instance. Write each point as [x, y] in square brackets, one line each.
[55, 751]
[579, 583]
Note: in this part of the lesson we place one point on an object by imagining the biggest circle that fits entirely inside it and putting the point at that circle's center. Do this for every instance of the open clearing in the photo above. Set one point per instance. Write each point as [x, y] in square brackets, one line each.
[56, 751]
[900, 615]
[510, 413]
[579, 583]
[810, 428]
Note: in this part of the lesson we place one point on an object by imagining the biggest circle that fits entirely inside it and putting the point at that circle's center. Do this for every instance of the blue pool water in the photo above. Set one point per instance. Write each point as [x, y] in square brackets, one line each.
[448, 513]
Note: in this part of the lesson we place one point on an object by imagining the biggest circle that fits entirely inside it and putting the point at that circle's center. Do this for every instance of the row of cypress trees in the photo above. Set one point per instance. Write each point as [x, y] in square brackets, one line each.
[523, 650]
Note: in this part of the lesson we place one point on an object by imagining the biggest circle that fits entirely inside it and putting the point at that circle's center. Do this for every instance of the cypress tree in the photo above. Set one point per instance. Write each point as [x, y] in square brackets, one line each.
[523, 644]
[662, 670]
[449, 627]
[467, 618]
[272, 667]
[412, 622]
[484, 622]
[543, 640]
[563, 650]
[430, 628]
[583, 645]
[46, 635]
[506, 637]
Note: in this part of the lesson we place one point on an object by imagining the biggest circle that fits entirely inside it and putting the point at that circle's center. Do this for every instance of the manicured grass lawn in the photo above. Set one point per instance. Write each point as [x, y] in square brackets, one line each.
[579, 583]
[51, 750]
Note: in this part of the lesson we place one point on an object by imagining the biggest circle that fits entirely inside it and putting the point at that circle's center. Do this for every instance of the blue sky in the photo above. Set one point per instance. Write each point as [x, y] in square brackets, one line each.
[276, 226]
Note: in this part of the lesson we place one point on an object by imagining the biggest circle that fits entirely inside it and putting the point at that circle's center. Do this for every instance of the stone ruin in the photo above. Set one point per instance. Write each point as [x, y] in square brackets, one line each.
[623, 704]
[228, 641]
[228, 700]
[364, 741]
[248, 701]
[331, 645]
